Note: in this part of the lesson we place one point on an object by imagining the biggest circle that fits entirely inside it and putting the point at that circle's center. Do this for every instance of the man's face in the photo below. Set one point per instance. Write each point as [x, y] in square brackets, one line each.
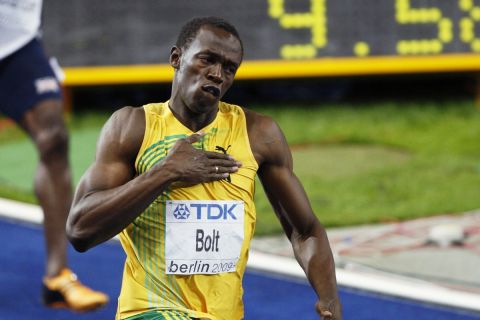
[207, 68]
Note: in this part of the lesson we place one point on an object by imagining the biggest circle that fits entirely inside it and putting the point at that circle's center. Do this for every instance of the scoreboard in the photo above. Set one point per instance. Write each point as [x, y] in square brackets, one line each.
[379, 27]
[121, 41]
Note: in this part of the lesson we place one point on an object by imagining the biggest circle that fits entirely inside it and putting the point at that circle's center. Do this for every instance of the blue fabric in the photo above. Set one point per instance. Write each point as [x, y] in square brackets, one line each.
[19, 76]
[266, 296]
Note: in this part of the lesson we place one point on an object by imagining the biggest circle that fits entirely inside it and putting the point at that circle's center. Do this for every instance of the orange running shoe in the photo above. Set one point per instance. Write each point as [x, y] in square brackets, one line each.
[66, 291]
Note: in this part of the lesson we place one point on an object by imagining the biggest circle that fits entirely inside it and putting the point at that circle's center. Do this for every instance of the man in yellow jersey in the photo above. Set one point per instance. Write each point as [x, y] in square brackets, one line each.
[176, 180]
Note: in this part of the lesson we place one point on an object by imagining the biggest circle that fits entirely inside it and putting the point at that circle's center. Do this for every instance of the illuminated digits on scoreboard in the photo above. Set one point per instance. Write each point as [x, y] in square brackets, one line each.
[315, 20]
[405, 15]
[467, 24]
[434, 22]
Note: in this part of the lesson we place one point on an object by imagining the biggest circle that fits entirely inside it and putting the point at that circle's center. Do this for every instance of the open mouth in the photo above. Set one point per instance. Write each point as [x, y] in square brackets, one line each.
[212, 90]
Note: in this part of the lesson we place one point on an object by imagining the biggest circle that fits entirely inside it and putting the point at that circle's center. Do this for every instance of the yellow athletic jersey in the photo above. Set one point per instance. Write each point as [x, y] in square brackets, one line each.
[188, 250]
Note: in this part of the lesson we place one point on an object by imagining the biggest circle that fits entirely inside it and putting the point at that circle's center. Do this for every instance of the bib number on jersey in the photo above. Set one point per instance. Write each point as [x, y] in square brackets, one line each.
[203, 236]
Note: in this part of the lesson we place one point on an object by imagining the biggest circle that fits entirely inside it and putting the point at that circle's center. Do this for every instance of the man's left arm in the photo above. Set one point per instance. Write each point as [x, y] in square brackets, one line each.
[291, 205]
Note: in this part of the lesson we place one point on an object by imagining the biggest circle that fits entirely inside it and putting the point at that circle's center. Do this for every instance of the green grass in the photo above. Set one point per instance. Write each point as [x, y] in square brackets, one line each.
[383, 162]
[19, 156]
[359, 164]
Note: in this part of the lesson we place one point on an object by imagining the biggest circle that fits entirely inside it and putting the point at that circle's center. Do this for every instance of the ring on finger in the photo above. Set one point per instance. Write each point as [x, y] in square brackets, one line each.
[216, 169]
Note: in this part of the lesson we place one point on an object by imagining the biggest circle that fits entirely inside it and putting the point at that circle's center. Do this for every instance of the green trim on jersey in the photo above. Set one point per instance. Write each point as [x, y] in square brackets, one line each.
[161, 315]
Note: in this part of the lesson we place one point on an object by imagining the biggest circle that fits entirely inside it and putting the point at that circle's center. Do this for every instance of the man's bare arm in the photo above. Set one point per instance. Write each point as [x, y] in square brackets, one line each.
[110, 195]
[290, 203]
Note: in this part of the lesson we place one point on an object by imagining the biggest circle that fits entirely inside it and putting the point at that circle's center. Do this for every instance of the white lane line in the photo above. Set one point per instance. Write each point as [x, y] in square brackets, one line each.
[383, 283]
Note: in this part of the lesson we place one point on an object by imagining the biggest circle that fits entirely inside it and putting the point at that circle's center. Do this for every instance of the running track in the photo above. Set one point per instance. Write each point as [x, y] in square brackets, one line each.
[266, 296]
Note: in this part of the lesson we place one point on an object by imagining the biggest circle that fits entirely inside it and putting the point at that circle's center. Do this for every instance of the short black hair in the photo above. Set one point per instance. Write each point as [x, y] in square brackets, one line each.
[190, 29]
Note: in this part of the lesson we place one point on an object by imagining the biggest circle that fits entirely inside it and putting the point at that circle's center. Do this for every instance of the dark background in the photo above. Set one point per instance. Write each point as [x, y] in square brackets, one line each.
[119, 32]
[296, 92]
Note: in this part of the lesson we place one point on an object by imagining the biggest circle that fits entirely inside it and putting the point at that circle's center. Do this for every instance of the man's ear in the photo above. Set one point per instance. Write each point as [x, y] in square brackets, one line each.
[175, 55]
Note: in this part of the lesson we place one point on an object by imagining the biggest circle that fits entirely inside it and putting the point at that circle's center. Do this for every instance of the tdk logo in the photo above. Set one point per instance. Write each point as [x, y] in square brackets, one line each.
[181, 212]
[218, 211]
[208, 211]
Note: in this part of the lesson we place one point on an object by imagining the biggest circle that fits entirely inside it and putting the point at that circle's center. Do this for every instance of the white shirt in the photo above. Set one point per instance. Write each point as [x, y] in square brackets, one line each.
[19, 23]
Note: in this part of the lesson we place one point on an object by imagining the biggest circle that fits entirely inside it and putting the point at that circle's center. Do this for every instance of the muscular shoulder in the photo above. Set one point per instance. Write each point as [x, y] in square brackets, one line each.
[266, 138]
[123, 133]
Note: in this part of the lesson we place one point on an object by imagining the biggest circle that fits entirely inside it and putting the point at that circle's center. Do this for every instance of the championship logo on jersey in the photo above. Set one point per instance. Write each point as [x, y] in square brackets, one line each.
[181, 212]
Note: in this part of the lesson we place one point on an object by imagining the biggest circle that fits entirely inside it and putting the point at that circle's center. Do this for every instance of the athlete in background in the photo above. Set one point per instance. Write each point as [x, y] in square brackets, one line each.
[176, 180]
[30, 95]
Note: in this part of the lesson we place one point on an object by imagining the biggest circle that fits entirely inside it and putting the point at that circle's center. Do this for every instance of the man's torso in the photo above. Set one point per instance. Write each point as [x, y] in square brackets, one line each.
[188, 250]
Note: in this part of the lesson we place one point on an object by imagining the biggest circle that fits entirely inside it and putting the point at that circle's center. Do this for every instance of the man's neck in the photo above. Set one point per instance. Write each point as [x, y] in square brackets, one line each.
[193, 121]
